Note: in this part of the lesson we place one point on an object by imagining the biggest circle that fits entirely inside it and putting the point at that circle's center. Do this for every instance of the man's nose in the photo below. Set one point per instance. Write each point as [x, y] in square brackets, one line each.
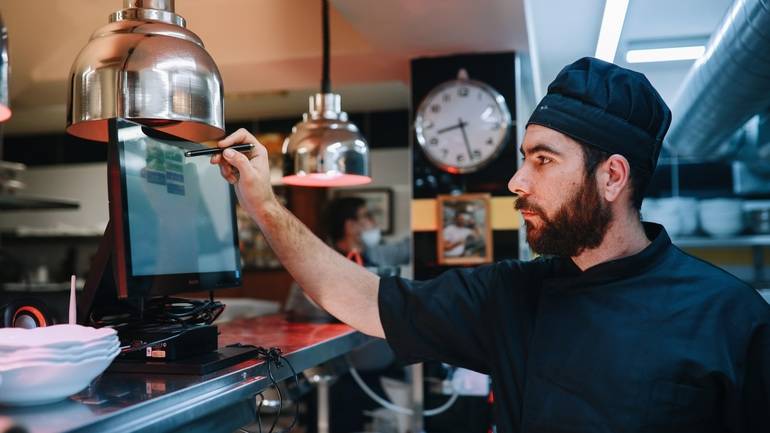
[519, 184]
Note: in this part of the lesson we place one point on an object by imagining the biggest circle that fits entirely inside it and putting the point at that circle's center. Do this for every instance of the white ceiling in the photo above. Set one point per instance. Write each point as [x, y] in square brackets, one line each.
[268, 51]
[566, 30]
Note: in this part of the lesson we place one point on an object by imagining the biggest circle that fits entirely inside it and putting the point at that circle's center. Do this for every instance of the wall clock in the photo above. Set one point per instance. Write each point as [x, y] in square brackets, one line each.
[462, 125]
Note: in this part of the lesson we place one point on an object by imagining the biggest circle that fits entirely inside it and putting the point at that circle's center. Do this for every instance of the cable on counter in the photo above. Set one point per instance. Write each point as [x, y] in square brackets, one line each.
[274, 358]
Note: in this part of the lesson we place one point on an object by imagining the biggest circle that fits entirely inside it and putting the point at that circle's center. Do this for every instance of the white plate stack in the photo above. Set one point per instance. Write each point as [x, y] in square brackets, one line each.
[48, 364]
[679, 215]
[721, 217]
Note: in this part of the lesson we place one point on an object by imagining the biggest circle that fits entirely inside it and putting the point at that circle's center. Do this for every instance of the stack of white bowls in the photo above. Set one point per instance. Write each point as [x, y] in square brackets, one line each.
[721, 217]
[48, 364]
[679, 215]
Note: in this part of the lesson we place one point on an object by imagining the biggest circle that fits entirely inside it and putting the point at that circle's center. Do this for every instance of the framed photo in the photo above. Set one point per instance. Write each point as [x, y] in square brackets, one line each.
[464, 231]
[379, 201]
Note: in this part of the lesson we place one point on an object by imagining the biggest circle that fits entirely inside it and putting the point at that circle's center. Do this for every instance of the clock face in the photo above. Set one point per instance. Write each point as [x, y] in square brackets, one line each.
[462, 125]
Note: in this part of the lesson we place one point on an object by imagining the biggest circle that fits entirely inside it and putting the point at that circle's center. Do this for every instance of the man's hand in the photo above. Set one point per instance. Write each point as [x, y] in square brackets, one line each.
[250, 174]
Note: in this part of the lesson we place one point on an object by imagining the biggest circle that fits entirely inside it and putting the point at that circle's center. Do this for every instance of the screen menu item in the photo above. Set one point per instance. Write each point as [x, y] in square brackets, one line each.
[179, 210]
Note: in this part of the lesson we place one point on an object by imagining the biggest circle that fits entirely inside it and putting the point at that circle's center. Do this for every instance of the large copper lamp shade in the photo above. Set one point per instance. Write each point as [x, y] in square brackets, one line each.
[144, 65]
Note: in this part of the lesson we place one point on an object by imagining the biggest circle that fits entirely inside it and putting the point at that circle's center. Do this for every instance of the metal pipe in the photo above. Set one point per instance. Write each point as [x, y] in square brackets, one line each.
[322, 392]
[725, 87]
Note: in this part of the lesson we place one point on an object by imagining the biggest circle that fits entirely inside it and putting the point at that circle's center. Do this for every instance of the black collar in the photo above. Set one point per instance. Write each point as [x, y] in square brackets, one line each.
[568, 274]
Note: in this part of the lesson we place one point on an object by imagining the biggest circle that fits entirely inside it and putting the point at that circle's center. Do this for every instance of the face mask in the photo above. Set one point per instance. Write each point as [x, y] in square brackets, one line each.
[371, 237]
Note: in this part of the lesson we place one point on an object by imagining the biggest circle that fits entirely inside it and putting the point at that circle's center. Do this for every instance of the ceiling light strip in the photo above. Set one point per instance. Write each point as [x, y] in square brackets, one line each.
[612, 26]
[665, 54]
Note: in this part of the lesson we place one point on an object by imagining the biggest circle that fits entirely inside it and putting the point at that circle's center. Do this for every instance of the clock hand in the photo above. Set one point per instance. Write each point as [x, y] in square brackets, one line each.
[465, 138]
[449, 128]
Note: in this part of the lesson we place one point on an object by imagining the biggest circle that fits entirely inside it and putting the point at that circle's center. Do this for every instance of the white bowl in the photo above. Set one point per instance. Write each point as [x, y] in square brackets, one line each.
[722, 226]
[663, 212]
[60, 336]
[721, 217]
[45, 382]
[42, 355]
[679, 215]
[72, 349]
[722, 231]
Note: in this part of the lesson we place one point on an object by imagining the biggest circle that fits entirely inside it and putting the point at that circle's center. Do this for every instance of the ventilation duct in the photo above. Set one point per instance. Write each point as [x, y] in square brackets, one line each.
[725, 87]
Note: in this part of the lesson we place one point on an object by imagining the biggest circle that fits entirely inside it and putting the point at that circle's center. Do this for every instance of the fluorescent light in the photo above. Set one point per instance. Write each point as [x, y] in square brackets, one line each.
[612, 25]
[665, 54]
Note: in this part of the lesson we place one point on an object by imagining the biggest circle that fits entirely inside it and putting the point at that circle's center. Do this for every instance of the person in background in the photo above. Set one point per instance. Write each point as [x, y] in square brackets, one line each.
[352, 230]
[612, 329]
[457, 234]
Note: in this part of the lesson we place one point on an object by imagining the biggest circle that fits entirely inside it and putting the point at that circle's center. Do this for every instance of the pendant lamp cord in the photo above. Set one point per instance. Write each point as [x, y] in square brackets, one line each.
[326, 85]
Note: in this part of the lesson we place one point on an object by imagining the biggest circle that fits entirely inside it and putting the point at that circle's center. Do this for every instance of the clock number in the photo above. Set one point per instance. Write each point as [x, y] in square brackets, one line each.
[433, 141]
[444, 153]
[490, 141]
[460, 157]
[427, 124]
[463, 91]
[476, 154]
[435, 108]
[446, 97]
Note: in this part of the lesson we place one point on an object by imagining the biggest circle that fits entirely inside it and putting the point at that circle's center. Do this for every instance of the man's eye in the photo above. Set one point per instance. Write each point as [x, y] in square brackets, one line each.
[543, 160]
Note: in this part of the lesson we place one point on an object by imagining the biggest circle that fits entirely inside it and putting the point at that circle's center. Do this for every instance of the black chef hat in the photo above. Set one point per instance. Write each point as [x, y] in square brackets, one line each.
[611, 108]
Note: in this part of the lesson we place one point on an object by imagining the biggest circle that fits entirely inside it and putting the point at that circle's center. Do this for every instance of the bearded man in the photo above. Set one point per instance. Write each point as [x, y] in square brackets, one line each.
[611, 329]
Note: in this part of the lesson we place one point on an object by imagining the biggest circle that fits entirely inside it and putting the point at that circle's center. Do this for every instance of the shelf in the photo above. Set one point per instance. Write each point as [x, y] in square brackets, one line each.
[708, 242]
[43, 287]
[13, 202]
[51, 233]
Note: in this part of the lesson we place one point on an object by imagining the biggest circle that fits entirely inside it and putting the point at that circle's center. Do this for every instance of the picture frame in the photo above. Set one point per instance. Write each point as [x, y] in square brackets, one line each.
[464, 229]
[379, 201]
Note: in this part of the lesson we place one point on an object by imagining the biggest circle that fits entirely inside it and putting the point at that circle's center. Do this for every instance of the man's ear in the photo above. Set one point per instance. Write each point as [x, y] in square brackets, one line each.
[616, 177]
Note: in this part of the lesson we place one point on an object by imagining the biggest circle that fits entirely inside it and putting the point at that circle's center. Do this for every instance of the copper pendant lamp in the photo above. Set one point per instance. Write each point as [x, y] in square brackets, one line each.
[146, 66]
[325, 149]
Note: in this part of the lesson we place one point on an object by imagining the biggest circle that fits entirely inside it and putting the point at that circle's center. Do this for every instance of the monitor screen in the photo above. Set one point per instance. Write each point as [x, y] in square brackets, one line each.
[179, 216]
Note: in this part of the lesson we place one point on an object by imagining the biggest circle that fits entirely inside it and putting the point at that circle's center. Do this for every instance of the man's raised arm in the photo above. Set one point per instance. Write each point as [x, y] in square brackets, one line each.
[341, 287]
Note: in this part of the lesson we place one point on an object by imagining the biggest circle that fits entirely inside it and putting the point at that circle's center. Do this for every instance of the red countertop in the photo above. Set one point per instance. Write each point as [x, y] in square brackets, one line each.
[277, 331]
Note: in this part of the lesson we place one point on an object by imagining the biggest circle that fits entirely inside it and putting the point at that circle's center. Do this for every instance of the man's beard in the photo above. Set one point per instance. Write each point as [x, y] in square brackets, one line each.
[580, 224]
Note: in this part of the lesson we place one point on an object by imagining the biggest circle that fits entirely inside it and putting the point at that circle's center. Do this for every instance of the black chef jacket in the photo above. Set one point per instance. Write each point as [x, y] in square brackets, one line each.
[656, 342]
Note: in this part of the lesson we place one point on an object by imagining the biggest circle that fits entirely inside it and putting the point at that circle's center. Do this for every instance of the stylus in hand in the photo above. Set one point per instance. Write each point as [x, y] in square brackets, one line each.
[245, 148]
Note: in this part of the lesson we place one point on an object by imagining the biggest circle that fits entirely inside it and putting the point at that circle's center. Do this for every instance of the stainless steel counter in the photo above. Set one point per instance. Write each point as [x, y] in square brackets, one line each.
[221, 401]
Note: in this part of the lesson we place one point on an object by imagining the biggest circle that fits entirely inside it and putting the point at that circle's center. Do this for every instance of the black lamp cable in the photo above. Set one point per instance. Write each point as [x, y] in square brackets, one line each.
[326, 85]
